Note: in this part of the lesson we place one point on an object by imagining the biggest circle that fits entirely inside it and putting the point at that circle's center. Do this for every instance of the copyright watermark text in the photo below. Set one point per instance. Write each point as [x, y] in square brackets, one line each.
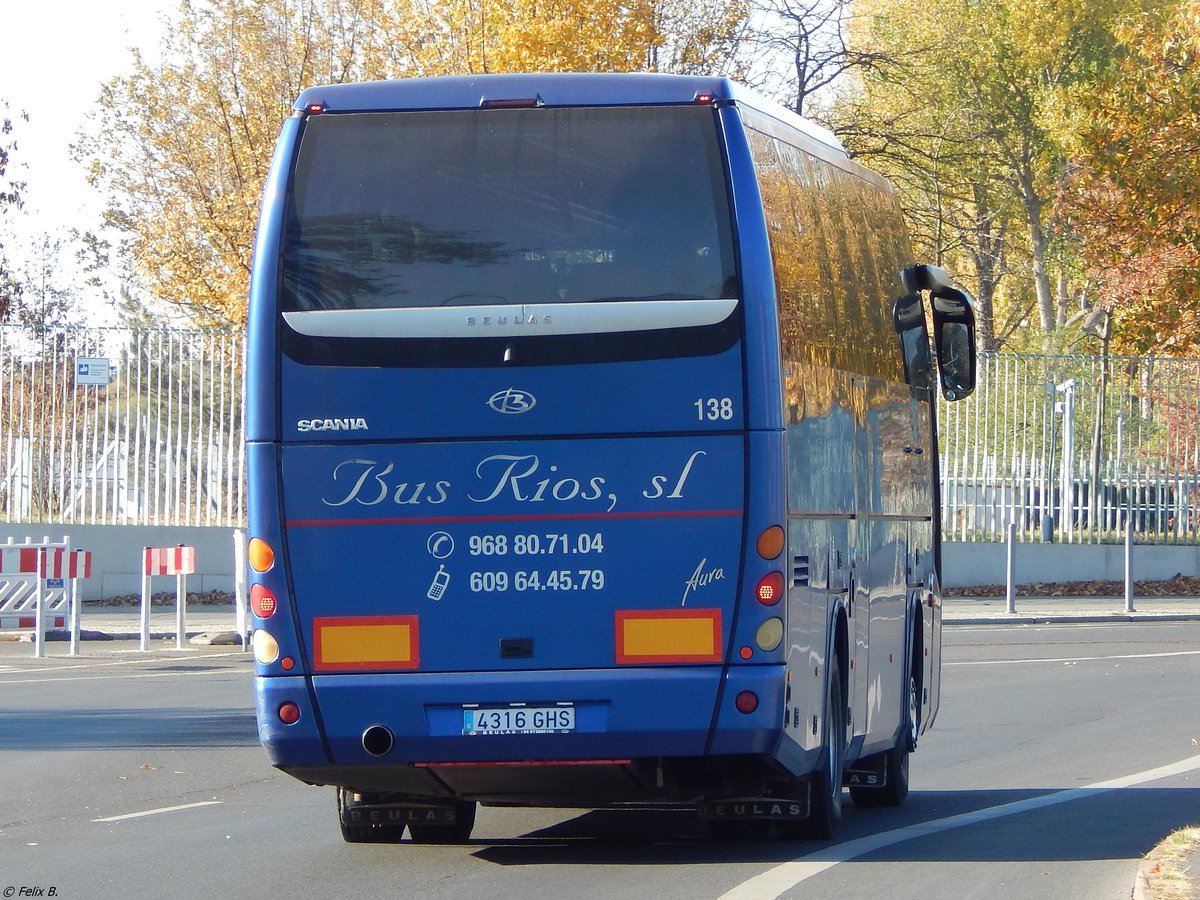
[26, 891]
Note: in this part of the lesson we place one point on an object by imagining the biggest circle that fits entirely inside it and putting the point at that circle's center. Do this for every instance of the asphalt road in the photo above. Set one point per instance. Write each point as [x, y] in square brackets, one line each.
[1060, 755]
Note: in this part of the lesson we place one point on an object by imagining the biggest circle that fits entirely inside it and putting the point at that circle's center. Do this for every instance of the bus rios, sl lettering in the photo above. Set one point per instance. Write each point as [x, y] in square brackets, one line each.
[503, 474]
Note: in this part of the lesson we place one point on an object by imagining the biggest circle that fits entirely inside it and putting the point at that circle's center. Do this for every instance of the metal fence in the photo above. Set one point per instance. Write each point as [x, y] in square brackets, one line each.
[1070, 448]
[158, 442]
[1074, 449]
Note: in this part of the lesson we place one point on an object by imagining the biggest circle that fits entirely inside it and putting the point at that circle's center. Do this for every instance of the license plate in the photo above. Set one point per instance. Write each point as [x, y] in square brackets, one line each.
[519, 720]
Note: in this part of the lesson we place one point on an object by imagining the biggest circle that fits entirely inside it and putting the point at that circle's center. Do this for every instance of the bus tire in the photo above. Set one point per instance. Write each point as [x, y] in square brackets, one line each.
[369, 833]
[458, 833]
[895, 761]
[895, 788]
[825, 801]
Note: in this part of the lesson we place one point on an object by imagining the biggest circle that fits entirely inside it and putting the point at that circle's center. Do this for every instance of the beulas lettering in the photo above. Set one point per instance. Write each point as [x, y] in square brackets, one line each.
[528, 319]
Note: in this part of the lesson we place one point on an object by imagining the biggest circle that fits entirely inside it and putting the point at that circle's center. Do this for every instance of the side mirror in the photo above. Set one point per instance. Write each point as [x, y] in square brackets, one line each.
[956, 359]
[909, 316]
[953, 329]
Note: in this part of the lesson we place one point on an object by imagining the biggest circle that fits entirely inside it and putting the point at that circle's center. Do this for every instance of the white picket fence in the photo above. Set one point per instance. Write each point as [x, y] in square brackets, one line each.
[1073, 448]
[159, 443]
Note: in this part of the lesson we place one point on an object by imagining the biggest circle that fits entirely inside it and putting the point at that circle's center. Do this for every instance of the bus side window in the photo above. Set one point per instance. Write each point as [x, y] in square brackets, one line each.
[909, 314]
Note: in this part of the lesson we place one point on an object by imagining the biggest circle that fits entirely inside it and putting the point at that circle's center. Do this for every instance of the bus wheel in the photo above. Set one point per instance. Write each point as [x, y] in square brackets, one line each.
[825, 804]
[458, 833]
[364, 833]
[895, 761]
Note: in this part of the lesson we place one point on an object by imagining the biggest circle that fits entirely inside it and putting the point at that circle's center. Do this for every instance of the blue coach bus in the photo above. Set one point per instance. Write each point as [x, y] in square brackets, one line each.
[592, 456]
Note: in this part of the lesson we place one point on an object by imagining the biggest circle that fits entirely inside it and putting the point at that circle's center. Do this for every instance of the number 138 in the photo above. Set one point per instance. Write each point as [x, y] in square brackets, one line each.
[712, 409]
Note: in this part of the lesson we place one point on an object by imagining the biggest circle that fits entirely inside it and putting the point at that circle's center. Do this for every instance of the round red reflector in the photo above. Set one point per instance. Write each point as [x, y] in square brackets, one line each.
[262, 601]
[746, 702]
[770, 589]
[287, 664]
[289, 713]
[746, 652]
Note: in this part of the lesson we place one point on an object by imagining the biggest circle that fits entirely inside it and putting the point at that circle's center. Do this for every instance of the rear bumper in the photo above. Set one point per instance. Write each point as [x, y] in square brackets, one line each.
[620, 715]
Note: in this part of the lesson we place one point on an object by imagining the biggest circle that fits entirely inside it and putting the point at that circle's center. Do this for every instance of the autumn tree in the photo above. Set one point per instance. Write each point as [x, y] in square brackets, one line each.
[181, 146]
[48, 296]
[959, 209]
[450, 37]
[1133, 198]
[810, 48]
[11, 189]
[987, 84]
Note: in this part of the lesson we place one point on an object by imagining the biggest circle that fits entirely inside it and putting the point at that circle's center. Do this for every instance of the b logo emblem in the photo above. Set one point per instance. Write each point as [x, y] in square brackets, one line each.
[512, 401]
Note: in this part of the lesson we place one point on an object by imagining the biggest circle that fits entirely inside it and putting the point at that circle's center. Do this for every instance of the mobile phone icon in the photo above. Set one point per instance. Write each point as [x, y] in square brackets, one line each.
[441, 581]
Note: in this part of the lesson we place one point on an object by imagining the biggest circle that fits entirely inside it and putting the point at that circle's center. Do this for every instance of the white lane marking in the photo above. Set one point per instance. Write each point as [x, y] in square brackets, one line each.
[128, 677]
[70, 663]
[784, 877]
[51, 675]
[1067, 659]
[159, 811]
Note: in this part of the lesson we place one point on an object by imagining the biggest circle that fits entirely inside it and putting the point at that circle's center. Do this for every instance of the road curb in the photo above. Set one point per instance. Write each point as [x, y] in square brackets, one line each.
[1141, 884]
[1083, 618]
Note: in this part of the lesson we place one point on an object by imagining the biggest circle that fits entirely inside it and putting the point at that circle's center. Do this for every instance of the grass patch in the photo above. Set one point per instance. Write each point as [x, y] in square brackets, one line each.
[1169, 875]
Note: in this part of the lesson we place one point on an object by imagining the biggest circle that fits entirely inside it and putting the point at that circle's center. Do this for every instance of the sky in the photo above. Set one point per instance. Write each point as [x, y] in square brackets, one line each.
[56, 55]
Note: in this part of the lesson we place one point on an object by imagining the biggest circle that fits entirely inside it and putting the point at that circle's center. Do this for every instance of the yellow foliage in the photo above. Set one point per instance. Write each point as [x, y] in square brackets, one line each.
[181, 146]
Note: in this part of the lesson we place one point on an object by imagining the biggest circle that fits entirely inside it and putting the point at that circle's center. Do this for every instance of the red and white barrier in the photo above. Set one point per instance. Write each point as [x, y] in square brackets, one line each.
[34, 590]
[47, 560]
[179, 561]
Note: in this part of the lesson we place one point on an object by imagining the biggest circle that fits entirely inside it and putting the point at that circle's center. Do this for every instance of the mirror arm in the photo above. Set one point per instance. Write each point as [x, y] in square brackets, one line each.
[925, 278]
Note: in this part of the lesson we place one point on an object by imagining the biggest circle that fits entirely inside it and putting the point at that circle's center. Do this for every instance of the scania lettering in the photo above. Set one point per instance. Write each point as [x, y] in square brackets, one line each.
[331, 425]
[647, 508]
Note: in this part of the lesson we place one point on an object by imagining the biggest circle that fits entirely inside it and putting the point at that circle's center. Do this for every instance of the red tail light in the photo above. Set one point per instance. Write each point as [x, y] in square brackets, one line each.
[262, 601]
[770, 589]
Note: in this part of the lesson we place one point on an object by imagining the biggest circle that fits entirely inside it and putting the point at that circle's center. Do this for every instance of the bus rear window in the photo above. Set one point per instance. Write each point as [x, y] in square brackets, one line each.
[493, 207]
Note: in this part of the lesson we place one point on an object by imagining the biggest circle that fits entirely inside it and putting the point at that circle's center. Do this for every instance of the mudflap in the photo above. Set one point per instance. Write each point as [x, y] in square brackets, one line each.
[868, 772]
[371, 811]
[770, 809]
